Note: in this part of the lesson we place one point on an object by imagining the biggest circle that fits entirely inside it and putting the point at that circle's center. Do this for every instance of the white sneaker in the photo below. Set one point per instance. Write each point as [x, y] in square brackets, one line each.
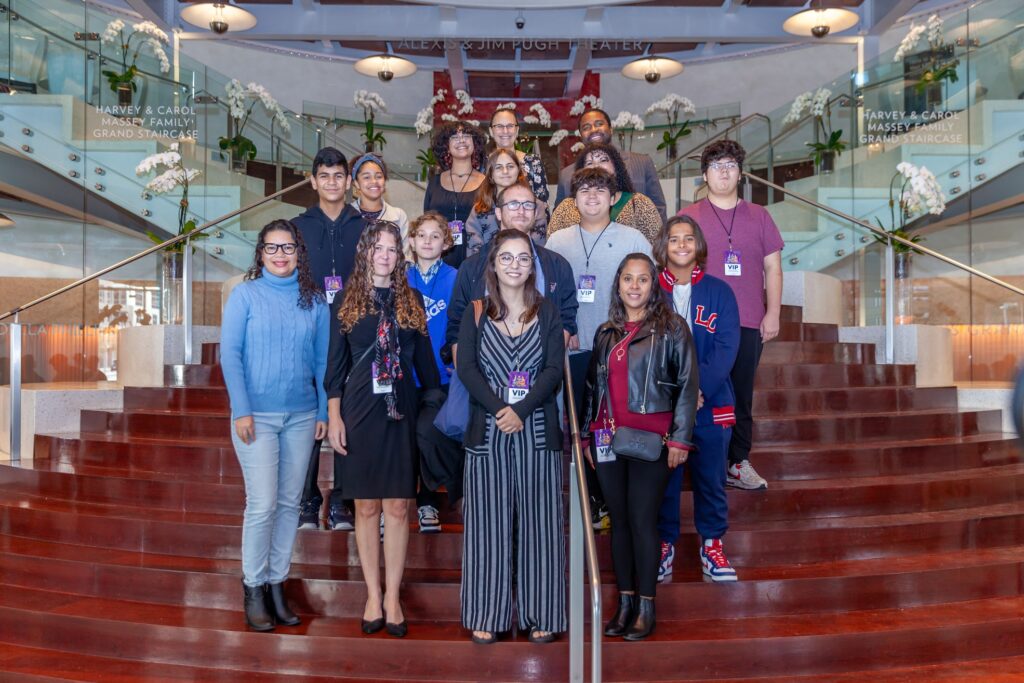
[744, 476]
[430, 521]
[712, 559]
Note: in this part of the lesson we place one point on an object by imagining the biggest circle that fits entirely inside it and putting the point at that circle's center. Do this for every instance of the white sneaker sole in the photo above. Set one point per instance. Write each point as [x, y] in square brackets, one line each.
[309, 525]
[430, 529]
[735, 483]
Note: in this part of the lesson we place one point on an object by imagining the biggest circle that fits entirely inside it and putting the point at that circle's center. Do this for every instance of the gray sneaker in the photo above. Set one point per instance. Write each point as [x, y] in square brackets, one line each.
[744, 476]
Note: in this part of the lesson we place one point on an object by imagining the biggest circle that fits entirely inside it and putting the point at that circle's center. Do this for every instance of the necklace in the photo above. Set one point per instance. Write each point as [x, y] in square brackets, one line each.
[460, 175]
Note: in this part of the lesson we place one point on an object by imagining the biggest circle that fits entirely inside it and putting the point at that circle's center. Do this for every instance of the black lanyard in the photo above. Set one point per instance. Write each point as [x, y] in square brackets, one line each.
[586, 253]
[455, 194]
[728, 231]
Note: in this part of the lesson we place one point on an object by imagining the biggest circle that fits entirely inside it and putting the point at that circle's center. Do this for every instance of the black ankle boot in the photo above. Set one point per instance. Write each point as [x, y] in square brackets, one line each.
[643, 623]
[623, 617]
[256, 614]
[278, 606]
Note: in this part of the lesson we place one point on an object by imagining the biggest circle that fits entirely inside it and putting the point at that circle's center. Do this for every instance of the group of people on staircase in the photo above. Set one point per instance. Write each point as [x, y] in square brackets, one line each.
[431, 353]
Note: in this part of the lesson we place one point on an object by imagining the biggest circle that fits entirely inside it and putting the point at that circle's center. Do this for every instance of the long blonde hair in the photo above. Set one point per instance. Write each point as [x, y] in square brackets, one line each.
[358, 302]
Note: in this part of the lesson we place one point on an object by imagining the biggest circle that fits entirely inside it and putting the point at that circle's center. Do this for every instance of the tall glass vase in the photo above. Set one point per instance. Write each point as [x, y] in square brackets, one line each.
[903, 288]
[170, 281]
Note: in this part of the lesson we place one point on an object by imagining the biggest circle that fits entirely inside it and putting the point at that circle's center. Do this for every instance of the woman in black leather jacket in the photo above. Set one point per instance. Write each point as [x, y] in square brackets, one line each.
[645, 370]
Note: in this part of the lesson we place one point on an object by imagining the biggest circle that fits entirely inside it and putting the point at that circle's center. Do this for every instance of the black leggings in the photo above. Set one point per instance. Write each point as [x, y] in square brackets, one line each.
[633, 491]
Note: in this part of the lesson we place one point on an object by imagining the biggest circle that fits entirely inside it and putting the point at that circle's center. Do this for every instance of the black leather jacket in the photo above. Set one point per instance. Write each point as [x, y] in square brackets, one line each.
[662, 376]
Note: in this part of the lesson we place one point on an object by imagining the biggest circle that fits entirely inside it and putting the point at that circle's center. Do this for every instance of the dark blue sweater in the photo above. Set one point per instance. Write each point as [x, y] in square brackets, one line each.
[715, 324]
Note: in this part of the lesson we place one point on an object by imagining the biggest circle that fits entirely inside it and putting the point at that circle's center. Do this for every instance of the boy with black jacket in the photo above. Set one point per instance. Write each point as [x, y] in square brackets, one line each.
[331, 231]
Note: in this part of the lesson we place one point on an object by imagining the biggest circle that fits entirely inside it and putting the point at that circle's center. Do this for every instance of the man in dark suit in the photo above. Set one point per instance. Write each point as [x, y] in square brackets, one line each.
[596, 126]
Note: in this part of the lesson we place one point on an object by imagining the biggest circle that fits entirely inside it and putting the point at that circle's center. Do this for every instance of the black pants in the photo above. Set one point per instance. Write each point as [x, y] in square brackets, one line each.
[743, 373]
[578, 365]
[633, 491]
[311, 492]
[441, 459]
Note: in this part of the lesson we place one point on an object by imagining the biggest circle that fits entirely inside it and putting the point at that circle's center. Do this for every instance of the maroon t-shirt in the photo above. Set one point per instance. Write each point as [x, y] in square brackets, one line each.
[754, 236]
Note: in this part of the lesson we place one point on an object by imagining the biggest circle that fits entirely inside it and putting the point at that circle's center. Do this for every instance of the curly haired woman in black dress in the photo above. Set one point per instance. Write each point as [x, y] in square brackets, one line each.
[372, 397]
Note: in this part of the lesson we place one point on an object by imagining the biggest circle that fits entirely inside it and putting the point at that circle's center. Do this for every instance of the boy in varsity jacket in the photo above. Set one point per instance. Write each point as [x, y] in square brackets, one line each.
[709, 308]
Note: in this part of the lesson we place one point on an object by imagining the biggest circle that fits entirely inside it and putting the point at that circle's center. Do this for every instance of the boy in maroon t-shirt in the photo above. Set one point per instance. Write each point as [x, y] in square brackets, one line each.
[745, 250]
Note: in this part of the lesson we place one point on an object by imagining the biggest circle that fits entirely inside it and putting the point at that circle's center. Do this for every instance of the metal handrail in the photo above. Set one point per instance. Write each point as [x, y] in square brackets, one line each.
[590, 550]
[146, 252]
[889, 236]
[790, 128]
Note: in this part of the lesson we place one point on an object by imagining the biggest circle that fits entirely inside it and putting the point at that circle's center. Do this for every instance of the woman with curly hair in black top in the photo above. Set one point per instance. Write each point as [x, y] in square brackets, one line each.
[460, 151]
[372, 410]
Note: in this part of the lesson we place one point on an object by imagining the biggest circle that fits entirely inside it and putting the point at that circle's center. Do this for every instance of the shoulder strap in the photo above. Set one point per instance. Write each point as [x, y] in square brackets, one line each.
[366, 353]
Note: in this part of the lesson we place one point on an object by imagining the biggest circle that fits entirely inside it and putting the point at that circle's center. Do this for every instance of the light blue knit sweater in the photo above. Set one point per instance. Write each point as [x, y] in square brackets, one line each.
[273, 353]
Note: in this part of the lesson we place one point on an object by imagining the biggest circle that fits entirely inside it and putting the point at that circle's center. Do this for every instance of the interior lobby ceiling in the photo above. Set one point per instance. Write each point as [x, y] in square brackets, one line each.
[550, 43]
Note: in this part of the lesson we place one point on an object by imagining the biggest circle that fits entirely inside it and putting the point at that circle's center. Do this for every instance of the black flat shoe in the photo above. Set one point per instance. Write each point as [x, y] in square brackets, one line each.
[397, 630]
[536, 637]
[488, 640]
[371, 627]
[623, 617]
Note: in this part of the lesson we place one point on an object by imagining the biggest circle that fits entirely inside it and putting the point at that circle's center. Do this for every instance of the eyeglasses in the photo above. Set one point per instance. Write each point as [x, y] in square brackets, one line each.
[504, 127]
[515, 205]
[506, 259]
[723, 166]
[461, 136]
[287, 248]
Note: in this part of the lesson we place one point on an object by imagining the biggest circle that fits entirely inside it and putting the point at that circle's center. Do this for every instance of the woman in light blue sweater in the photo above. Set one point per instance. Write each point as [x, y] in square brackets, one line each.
[274, 342]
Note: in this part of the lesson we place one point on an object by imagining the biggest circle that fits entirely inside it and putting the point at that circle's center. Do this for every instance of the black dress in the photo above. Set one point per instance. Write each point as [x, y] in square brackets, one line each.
[454, 206]
[381, 460]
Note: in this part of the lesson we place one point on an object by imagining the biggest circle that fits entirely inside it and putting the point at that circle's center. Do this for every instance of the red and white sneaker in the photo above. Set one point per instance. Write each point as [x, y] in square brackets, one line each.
[744, 476]
[713, 560]
[668, 554]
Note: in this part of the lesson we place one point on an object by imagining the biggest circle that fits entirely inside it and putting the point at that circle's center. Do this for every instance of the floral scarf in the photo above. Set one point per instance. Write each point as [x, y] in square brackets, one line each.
[387, 351]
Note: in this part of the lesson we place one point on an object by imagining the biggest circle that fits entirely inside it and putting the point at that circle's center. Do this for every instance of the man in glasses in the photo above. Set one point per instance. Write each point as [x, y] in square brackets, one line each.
[516, 208]
[596, 126]
[745, 250]
[331, 230]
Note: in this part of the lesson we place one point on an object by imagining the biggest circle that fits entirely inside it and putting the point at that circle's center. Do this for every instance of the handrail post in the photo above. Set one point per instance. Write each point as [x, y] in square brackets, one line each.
[679, 186]
[890, 302]
[576, 585]
[580, 531]
[15, 368]
[186, 300]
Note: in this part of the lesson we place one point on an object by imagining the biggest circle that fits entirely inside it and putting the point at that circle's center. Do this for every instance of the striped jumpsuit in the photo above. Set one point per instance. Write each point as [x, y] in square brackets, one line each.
[513, 492]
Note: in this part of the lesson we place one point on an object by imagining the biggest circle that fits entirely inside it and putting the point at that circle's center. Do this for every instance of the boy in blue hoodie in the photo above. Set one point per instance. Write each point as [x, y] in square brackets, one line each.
[709, 308]
[429, 237]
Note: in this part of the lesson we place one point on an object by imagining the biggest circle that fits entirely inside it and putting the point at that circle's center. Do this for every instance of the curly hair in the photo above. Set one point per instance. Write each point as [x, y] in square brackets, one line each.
[309, 291]
[442, 222]
[493, 303]
[358, 302]
[622, 179]
[486, 195]
[444, 135]
[594, 177]
[656, 311]
[660, 248]
[722, 149]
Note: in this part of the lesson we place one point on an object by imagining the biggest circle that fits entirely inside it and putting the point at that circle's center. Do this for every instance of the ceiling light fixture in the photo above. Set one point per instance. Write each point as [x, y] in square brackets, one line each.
[385, 67]
[652, 68]
[219, 17]
[819, 21]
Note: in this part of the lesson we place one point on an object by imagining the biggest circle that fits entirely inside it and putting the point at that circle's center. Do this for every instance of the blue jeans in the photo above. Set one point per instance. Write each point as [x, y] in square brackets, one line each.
[274, 467]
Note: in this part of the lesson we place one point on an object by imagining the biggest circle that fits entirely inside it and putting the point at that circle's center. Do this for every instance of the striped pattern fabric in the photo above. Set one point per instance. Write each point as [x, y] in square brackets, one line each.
[514, 528]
